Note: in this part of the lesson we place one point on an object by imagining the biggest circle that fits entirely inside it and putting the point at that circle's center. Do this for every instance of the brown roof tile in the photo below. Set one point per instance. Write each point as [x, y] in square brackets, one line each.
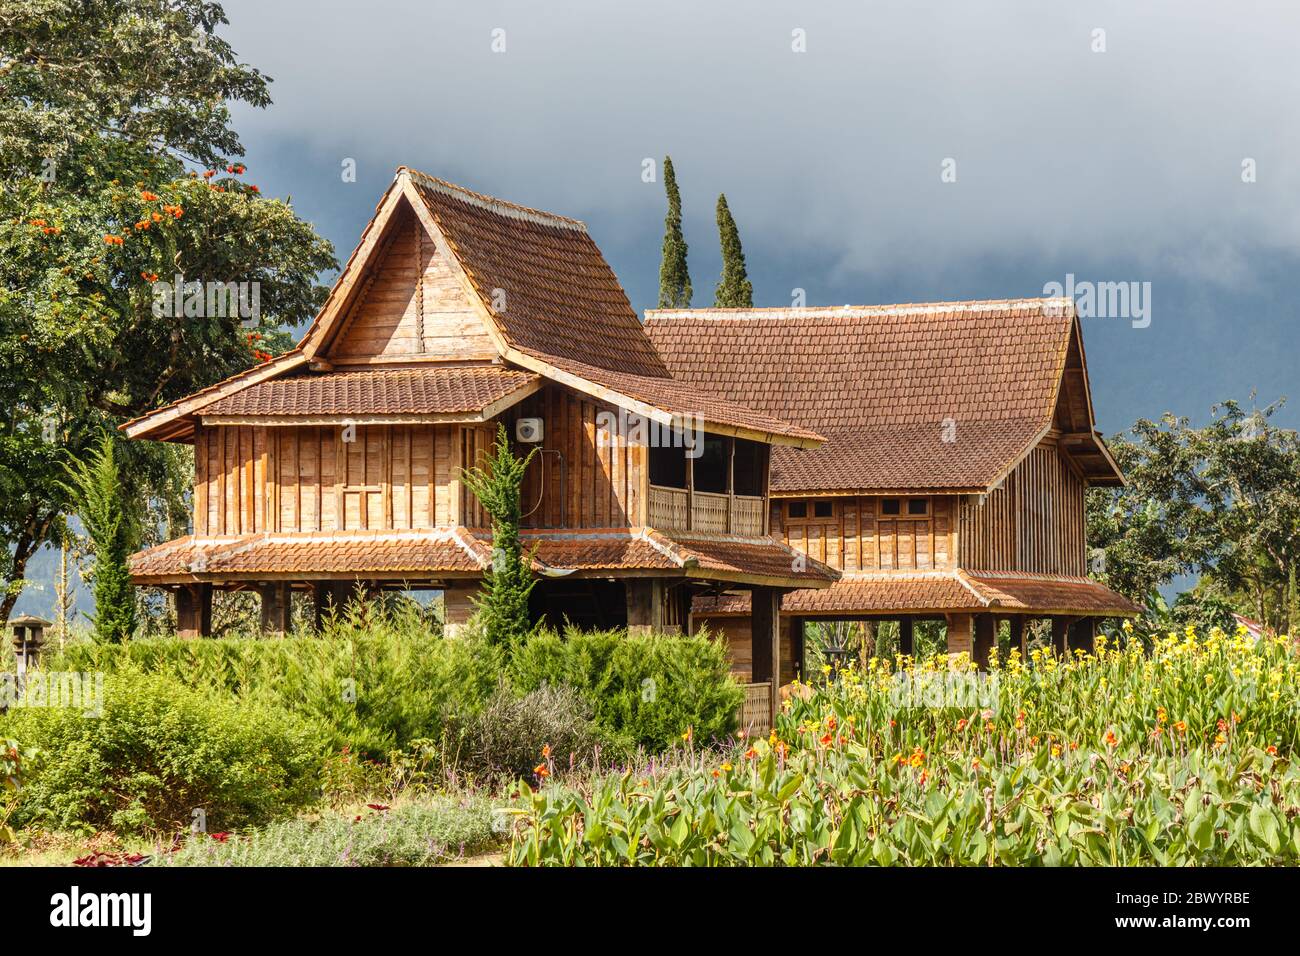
[564, 306]
[937, 592]
[880, 382]
[561, 297]
[1066, 594]
[420, 390]
[354, 552]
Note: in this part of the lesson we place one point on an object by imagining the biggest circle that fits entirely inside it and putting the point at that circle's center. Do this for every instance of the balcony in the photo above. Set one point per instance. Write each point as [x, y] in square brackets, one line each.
[678, 509]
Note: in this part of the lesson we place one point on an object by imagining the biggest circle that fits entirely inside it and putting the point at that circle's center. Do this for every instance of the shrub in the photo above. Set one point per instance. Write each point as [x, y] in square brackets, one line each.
[644, 690]
[160, 751]
[412, 834]
[371, 686]
[507, 737]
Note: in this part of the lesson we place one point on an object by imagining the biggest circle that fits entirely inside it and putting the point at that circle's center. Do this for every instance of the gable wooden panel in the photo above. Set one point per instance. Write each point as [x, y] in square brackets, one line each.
[412, 306]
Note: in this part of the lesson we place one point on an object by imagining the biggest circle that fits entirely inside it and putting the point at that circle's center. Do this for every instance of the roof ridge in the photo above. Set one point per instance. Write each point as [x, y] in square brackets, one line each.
[1064, 304]
[493, 204]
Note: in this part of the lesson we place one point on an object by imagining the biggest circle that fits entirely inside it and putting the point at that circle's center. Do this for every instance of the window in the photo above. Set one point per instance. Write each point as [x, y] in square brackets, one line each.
[667, 467]
[823, 509]
[750, 456]
[797, 509]
[918, 506]
[889, 506]
[712, 465]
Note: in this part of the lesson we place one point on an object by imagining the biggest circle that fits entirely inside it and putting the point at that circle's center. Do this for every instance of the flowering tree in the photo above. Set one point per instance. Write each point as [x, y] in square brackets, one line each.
[114, 138]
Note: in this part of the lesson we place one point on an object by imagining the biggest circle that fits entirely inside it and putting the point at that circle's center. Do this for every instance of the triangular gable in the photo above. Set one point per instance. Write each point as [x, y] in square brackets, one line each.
[536, 293]
[412, 307]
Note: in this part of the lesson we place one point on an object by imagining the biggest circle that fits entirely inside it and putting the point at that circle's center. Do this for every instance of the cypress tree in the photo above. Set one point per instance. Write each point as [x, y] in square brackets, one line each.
[95, 487]
[502, 605]
[734, 290]
[674, 279]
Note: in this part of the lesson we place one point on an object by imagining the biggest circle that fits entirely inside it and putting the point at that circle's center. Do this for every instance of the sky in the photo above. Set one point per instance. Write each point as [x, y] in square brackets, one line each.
[880, 152]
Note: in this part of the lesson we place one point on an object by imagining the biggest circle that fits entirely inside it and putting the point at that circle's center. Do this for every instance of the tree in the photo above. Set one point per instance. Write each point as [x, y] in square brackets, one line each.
[674, 278]
[94, 486]
[1221, 501]
[502, 605]
[102, 102]
[734, 290]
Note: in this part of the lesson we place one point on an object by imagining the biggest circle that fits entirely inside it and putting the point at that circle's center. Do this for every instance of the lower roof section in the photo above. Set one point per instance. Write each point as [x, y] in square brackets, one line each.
[455, 553]
[941, 592]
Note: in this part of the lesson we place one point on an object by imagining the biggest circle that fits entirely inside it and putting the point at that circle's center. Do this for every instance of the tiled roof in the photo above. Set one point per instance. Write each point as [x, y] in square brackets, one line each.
[1062, 593]
[940, 591]
[881, 383]
[905, 457]
[450, 551]
[420, 390]
[752, 556]
[563, 305]
[685, 400]
[457, 551]
[561, 297]
[698, 555]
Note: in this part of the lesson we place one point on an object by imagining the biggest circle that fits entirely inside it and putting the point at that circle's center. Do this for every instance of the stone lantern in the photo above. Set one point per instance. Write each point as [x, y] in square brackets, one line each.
[29, 636]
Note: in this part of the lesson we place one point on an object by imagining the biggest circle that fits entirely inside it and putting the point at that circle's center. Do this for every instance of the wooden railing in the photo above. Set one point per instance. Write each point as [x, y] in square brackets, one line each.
[756, 712]
[669, 509]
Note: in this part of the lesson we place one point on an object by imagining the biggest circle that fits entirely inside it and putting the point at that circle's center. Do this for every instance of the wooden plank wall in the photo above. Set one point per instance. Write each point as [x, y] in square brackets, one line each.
[252, 478]
[1033, 522]
[735, 633]
[856, 537]
[604, 476]
[413, 305]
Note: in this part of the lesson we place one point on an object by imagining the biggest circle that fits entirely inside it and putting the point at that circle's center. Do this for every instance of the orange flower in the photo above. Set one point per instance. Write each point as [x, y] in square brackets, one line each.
[209, 174]
[149, 276]
[961, 725]
[925, 775]
[751, 753]
[113, 240]
[148, 196]
[1271, 750]
[1181, 726]
[143, 224]
[975, 764]
[542, 771]
[546, 750]
[827, 740]
[38, 222]
[1111, 740]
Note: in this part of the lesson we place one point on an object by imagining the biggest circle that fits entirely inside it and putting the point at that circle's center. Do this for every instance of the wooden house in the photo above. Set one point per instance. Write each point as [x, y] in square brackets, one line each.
[960, 443]
[338, 464]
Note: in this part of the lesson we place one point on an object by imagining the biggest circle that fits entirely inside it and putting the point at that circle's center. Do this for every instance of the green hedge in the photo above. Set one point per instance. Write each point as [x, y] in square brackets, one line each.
[645, 690]
[370, 692]
[158, 752]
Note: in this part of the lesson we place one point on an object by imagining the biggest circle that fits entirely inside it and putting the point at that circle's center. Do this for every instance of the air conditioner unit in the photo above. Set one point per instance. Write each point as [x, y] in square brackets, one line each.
[528, 430]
